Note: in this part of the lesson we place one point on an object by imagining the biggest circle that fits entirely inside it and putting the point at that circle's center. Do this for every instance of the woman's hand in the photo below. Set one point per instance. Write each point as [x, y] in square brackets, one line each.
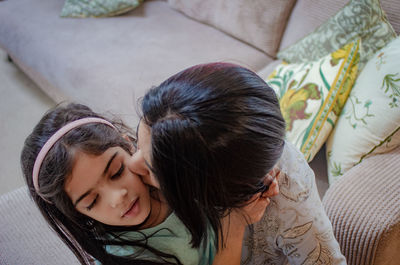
[234, 224]
[254, 209]
[273, 189]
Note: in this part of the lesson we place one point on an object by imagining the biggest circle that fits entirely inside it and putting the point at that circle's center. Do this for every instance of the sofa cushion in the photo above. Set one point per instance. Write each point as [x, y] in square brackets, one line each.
[312, 94]
[257, 22]
[97, 8]
[370, 120]
[358, 19]
[108, 63]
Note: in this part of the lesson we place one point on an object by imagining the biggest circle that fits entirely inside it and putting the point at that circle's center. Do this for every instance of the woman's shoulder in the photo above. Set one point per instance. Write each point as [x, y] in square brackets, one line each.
[291, 157]
[296, 179]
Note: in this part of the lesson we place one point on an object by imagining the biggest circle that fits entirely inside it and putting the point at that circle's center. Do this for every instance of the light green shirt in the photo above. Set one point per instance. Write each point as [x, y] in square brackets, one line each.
[170, 237]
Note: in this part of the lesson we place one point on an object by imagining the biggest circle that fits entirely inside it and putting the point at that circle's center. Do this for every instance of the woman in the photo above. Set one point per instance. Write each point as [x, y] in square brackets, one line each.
[209, 137]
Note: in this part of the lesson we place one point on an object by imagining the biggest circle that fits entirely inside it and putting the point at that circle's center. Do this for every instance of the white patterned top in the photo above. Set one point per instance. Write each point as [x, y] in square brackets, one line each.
[295, 228]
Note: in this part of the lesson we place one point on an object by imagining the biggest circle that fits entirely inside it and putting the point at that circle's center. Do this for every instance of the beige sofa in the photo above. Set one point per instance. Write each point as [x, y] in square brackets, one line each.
[108, 63]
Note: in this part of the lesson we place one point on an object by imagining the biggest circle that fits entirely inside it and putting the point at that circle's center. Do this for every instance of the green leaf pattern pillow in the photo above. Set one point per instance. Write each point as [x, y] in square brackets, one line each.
[370, 120]
[312, 94]
[363, 19]
[97, 8]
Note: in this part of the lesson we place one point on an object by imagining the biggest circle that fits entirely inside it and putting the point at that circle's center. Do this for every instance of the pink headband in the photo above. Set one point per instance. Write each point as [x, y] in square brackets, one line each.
[53, 139]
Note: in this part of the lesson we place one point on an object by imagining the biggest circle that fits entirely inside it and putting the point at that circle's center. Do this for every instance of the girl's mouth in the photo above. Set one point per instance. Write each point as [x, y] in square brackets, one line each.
[133, 209]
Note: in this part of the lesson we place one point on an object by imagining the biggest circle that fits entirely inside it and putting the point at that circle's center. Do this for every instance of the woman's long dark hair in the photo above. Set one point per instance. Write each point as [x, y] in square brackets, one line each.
[83, 235]
[216, 131]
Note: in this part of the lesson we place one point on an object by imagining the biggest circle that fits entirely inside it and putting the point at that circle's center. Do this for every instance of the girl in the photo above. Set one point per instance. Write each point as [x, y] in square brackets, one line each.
[211, 133]
[75, 164]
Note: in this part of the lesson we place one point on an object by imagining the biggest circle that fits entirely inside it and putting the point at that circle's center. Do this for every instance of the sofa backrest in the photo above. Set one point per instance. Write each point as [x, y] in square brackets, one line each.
[259, 23]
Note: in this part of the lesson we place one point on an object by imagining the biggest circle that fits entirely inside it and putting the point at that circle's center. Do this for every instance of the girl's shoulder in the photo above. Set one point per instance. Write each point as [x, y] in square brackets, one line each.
[171, 237]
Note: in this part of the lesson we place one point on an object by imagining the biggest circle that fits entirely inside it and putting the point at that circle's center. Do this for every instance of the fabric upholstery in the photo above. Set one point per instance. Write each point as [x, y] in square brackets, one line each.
[25, 237]
[358, 19]
[258, 22]
[108, 63]
[312, 94]
[370, 120]
[318, 165]
[364, 208]
[97, 8]
[388, 244]
[392, 9]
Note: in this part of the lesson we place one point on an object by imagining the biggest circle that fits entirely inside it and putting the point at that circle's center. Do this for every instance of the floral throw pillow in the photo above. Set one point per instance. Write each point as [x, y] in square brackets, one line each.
[363, 19]
[97, 8]
[312, 94]
[370, 120]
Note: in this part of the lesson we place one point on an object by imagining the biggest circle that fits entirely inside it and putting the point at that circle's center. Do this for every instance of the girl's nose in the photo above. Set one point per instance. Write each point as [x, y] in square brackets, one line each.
[117, 197]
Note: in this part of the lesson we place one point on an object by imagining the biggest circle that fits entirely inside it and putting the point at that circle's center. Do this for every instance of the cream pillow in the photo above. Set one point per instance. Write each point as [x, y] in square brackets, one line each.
[312, 94]
[370, 120]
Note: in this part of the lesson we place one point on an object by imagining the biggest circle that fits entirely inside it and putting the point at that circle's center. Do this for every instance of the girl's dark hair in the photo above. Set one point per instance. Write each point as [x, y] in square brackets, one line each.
[83, 235]
[216, 131]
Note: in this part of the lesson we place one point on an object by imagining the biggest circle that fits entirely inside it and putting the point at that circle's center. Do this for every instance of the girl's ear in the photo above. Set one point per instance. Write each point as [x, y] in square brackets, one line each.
[131, 143]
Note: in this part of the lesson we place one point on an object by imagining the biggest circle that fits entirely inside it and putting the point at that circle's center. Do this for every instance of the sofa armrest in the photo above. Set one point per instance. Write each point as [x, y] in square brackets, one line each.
[25, 237]
[364, 208]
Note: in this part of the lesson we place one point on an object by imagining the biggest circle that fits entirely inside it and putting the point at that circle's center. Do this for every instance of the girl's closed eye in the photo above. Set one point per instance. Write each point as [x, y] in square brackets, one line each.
[119, 172]
[93, 203]
[113, 177]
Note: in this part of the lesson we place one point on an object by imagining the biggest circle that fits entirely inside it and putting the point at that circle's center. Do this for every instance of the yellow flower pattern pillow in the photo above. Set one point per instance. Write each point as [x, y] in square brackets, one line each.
[312, 94]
